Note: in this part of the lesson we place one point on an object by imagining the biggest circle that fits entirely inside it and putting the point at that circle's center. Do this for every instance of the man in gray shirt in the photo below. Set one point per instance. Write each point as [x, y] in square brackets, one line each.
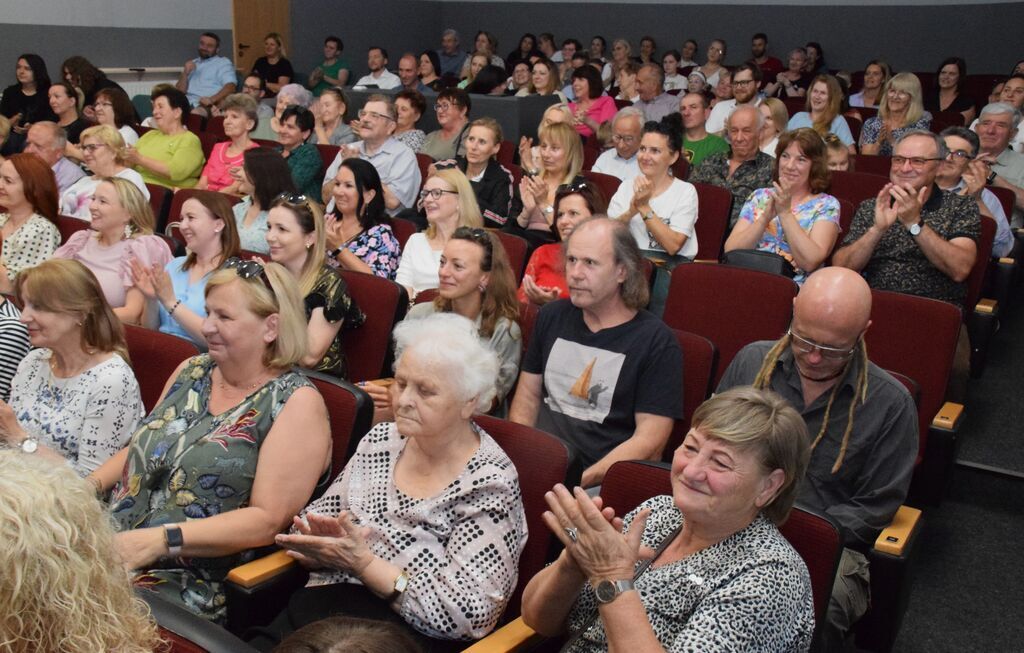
[860, 469]
[654, 101]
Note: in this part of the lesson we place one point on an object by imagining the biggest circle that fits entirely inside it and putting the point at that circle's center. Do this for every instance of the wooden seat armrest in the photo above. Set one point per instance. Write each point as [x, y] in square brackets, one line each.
[513, 637]
[987, 306]
[260, 570]
[949, 416]
[894, 537]
[1007, 260]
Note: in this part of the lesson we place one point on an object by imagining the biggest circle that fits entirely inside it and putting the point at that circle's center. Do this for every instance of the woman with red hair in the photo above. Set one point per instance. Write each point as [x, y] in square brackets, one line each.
[28, 224]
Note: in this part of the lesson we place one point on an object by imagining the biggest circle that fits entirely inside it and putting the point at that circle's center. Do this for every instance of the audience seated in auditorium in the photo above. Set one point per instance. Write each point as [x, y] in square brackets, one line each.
[379, 75]
[862, 421]
[743, 168]
[114, 108]
[794, 80]
[600, 589]
[822, 111]
[395, 163]
[330, 127]
[74, 399]
[302, 156]
[591, 108]
[900, 111]
[794, 218]
[26, 101]
[262, 177]
[452, 106]
[408, 73]
[654, 101]
[769, 66]
[175, 293]
[450, 55]
[561, 160]
[240, 119]
[409, 108]
[103, 153]
[273, 68]
[209, 78]
[62, 586]
[1012, 93]
[48, 141]
[996, 129]
[358, 235]
[963, 174]
[169, 155]
[120, 231]
[601, 373]
[333, 71]
[876, 75]
[621, 160]
[697, 142]
[181, 530]
[448, 202]
[745, 80]
[493, 184]
[914, 238]
[776, 117]
[296, 238]
[447, 566]
[948, 93]
[28, 226]
[715, 63]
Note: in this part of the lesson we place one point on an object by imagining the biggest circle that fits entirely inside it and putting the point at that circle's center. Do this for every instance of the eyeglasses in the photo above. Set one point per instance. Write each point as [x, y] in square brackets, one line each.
[248, 269]
[619, 138]
[92, 147]
[898, 93]
[916, 162]
[742, 82]
[805, 346]
[102, 104]
[441, 108]
[253, 89]
[961, 154]
[436, 193]
[363, 114]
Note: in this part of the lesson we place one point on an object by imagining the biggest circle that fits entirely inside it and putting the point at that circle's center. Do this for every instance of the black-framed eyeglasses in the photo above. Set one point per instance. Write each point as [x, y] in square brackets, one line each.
[805, 346]
[363, 114]
[248, 269]
[915, 161]
[436, 193]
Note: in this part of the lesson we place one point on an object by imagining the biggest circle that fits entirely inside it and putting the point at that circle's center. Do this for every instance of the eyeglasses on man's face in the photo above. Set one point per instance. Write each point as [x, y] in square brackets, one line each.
[805, 346]
[364, 114]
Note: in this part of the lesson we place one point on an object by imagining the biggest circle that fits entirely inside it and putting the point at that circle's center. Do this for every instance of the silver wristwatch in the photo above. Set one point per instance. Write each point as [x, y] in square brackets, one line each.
[29, 445]
[915, 229]
[606, 591]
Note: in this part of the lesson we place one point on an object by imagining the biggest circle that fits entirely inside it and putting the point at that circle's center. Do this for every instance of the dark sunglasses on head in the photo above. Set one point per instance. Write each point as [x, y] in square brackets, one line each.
[248, 269]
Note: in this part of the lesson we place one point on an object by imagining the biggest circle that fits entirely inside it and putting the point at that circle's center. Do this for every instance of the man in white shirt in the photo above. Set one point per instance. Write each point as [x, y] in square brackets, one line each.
[745, 82]
[380, 76]
[620, 161]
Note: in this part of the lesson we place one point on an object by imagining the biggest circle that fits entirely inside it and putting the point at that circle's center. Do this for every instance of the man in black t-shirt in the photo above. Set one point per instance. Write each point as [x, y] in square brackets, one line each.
[601, 373]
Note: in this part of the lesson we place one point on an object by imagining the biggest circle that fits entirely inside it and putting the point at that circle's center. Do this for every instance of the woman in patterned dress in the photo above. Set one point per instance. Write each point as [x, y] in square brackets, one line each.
[359, 236]
[296, 239]
[232, 450]
[425, 525]
[723, 577]
[28, 227]
[795, 218]
[74, 398]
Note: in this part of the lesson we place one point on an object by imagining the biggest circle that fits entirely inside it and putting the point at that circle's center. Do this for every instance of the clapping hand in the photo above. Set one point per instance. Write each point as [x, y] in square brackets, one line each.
[538, 294]
[975, 177]
[526, 152]
[324, 542]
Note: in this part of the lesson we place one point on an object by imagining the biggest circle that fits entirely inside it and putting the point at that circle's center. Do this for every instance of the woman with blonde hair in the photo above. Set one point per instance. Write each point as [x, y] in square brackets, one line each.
[234, 447]
[823, 109]
[544, 80]
[74, 398]
[62, 586]
[297, 240]
[561, 157]
[103, 151]
[274, 68]
[448, 200]
[491, 181]
[900, 111]
[776, 117]
[876, 75]
[121, 231]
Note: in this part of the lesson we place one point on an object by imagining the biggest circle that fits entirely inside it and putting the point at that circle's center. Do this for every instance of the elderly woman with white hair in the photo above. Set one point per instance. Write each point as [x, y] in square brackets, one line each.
[425, 525]
[288, 95]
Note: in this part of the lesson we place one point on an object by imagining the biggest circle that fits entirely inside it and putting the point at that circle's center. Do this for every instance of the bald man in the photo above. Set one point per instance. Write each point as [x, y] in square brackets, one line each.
[858, 474]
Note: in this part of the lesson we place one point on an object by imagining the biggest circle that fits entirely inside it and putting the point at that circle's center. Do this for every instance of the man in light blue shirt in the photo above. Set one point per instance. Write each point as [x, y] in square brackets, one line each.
[451, 56]
[207, 79]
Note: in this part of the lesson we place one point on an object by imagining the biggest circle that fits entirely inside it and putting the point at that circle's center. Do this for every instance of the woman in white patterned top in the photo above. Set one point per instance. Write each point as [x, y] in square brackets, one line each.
[74, 397]
[722, 579]
[28, 229]
[425, 524]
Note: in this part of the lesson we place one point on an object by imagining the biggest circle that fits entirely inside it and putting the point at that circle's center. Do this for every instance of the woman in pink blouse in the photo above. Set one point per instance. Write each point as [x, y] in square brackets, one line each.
[239, 111]
[591, 109]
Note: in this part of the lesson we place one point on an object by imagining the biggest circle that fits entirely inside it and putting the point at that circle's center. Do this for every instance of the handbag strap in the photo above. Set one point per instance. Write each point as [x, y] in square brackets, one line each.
[644, 566]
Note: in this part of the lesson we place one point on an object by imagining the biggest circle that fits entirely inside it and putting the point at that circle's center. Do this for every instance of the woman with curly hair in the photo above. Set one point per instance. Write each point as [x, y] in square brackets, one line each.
[62, 585]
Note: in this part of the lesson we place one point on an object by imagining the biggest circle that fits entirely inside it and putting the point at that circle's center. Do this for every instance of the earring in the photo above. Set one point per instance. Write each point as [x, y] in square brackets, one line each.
[127, 231]
[482, 287]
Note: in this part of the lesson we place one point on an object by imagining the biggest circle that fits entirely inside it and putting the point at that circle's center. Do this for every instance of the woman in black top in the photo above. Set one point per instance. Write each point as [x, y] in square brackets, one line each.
[948, 94]
[273, 69]
[90, 80]
[492, 182]
[26, 101]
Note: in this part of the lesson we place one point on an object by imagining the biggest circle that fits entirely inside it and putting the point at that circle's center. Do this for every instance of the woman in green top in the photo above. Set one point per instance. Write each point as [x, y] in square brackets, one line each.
[303, 159]
[169, 155]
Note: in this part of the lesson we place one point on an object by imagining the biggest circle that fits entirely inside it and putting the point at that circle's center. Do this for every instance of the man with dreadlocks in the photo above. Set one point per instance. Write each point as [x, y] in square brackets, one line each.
[862, 421]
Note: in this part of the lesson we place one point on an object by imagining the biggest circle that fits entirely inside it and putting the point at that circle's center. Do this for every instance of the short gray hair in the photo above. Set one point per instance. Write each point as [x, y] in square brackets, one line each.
[940, 144]
[452, 343]
[58, 133]
[658, 70]
[626, 112]
[302, 96]
[450, 32]
[1001, 107]
[245, 104]
[743, 107]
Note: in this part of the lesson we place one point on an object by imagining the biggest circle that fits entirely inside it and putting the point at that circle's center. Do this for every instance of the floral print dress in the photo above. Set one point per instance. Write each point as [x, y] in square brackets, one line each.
[185, 464]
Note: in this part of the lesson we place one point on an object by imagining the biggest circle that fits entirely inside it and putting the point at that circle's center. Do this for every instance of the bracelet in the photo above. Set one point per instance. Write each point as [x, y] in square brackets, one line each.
[174, 308]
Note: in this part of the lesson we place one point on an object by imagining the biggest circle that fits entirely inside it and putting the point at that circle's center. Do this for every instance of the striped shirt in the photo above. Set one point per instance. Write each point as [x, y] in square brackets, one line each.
[13, 345]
